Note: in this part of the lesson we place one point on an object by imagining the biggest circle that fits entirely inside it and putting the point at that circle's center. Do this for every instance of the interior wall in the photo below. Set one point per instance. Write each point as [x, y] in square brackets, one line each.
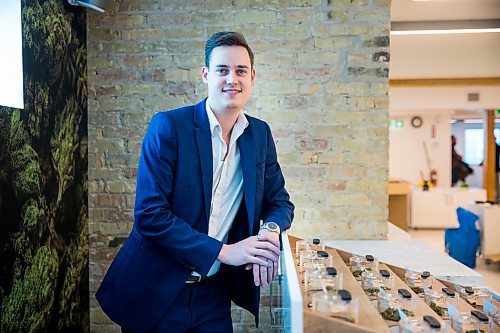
[407, 156]
[321, 84]
[44, 268]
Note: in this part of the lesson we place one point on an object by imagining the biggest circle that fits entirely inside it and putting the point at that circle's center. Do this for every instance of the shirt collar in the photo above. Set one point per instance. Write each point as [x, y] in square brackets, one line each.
[239, 126]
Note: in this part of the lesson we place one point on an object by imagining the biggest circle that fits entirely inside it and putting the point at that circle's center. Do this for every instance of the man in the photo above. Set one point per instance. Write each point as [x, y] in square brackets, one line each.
[459, 169]
[207, 175]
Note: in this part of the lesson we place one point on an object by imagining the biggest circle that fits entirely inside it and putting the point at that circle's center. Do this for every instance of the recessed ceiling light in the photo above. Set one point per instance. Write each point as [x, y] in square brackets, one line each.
[445, 27]
[443, 32]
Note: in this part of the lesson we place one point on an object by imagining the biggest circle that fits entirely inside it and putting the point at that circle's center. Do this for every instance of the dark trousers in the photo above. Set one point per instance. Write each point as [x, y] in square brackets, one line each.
[201, 307]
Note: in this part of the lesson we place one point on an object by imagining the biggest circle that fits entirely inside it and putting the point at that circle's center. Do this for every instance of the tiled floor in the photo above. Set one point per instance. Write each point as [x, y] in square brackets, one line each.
[435, 238]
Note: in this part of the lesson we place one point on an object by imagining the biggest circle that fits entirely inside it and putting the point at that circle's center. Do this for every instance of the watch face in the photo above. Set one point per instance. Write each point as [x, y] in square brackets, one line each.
[272, 226]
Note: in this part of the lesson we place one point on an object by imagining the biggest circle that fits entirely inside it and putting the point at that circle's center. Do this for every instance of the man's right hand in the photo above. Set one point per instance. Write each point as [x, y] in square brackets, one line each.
[249, 251]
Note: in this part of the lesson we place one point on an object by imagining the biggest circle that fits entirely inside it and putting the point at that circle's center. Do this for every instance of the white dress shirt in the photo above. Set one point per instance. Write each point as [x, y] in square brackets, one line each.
[227, 186]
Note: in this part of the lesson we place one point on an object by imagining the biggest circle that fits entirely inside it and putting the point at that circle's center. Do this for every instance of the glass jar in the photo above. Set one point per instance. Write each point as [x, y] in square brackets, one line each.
[371, 283]
[308, 244]
[372, 263]
[495, 321]
[388, 303]
[301, 245]
[389, 281]
[323, 279]
[357, 265]
[311, 260]
[427, 279]
[416, 281]
[337, 304]
[475, 296]
[420, 325]
[438, 302]
[466, 322]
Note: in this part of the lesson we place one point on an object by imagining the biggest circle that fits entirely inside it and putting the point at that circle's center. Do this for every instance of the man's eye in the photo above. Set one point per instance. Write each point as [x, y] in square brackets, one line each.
[221, 71]
[241, 71]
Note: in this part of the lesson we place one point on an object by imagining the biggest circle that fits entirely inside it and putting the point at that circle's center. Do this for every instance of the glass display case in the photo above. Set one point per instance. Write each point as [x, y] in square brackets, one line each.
[287, 312]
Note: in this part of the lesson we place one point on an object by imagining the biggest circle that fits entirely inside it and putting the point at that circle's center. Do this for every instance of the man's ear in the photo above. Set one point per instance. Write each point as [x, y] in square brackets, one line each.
[204, 74]
[253, 76]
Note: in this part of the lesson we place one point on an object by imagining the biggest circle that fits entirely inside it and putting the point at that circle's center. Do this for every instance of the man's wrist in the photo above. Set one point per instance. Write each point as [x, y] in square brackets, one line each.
[271, 226]
[222, 254]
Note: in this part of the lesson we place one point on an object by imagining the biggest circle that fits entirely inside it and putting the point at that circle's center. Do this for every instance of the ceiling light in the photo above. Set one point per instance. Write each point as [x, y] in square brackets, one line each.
[445, 27]
[443, 32]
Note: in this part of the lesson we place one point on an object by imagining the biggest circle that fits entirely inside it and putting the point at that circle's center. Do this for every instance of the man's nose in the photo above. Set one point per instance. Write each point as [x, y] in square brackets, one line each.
[230, 78]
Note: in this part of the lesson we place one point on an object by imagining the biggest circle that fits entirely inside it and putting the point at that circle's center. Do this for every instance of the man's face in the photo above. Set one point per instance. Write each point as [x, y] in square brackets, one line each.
[230, 78]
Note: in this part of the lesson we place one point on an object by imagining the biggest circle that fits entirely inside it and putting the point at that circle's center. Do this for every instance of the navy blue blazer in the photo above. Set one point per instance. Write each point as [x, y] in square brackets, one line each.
[169, 239]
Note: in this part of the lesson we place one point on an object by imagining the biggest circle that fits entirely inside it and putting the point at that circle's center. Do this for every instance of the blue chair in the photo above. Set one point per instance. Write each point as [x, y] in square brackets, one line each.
[463, 243]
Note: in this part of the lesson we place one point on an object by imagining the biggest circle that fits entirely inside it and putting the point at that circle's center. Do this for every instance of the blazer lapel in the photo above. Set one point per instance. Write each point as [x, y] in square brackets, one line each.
[248, 160]
[204, 142]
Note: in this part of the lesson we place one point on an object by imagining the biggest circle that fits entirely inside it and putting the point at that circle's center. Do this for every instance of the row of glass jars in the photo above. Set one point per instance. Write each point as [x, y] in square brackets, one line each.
[475, 321]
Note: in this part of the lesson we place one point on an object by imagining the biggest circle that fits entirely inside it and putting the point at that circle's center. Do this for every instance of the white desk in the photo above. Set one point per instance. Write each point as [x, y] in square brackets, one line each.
[415, 255]
[436, 208]
[489, 224]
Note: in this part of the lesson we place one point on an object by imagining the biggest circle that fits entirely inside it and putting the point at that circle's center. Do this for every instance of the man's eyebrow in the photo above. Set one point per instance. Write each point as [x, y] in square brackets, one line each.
[226, 66]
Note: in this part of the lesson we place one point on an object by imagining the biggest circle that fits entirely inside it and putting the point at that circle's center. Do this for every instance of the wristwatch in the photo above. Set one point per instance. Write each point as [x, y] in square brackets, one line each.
[271, 226]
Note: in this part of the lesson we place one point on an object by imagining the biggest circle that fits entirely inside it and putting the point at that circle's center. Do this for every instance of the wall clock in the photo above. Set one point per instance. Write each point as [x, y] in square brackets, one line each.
[416, 121]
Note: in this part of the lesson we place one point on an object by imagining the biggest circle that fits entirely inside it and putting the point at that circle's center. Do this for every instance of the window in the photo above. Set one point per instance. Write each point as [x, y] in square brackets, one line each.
[474, 145]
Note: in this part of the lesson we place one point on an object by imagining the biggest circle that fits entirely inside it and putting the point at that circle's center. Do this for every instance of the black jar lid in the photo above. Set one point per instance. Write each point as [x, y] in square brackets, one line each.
[469, 290]
[316, 241]
[425, 274]
[433, 322]
[322, 254]
[404, 293]
[448, 291]
[479, 315]
[369, 257]
[332, 271]
[345, 295]
[385, 273]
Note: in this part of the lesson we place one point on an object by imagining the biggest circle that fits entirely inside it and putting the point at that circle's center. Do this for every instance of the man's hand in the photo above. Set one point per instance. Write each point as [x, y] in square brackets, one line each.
[250, 251]
[263, 275]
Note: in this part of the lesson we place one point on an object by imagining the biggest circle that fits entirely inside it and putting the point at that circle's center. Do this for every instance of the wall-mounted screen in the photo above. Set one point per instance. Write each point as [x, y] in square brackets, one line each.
[11, 54]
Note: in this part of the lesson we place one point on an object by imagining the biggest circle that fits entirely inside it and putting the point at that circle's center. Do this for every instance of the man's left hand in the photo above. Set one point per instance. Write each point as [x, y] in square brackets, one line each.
[263, 276]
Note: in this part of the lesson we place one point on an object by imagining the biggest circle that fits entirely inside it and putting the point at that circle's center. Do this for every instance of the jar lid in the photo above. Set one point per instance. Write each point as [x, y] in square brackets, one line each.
[432, 322]
[405, 293]
[469, 290]
[479, 315]
[345, 295]
[322, 254]
[448, 292]
[316, 241]
[385, 273]
[331, 271]
[425, 274]
[369, 257]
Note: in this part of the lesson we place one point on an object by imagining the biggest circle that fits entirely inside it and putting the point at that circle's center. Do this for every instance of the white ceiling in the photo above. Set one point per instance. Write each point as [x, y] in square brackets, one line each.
[447, 56]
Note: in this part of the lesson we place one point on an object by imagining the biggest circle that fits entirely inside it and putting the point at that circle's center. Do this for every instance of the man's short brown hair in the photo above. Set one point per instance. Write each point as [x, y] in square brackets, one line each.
[226, 38]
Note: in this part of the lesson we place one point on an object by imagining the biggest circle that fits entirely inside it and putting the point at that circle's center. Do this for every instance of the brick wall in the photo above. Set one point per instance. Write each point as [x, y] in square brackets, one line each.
[322, 82]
